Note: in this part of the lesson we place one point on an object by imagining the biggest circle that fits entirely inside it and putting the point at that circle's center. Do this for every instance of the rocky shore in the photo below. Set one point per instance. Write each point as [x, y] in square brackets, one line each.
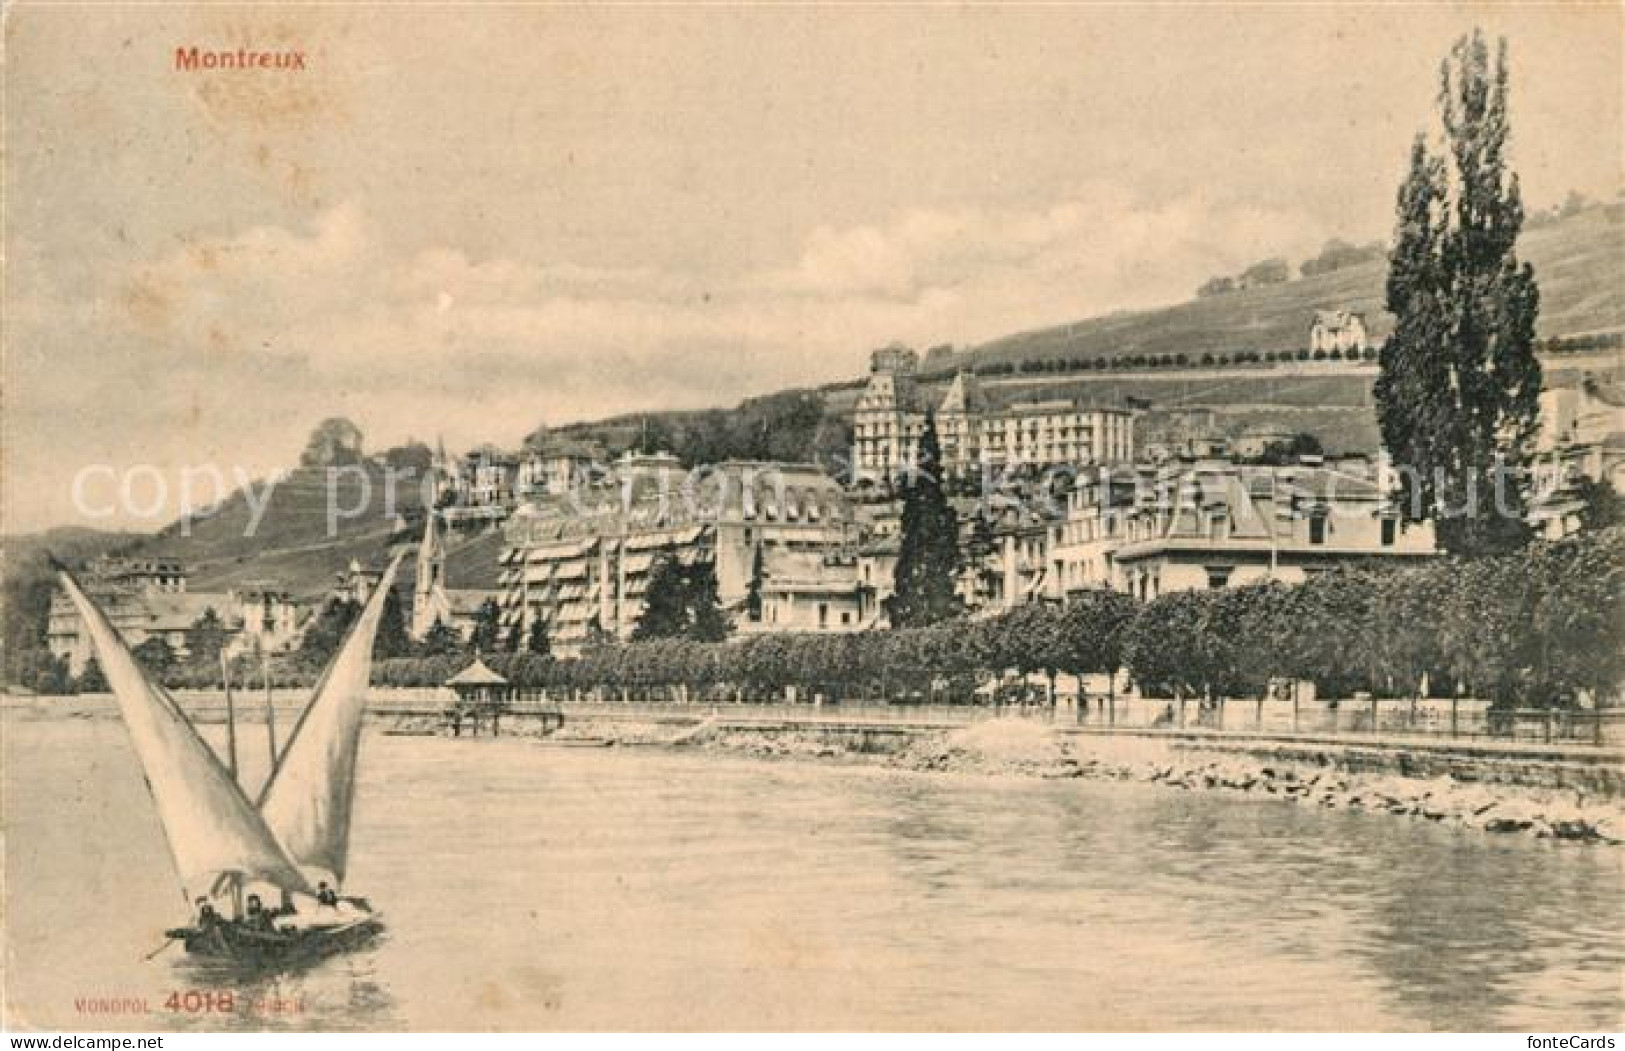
[1499, 808]
[1013, 747]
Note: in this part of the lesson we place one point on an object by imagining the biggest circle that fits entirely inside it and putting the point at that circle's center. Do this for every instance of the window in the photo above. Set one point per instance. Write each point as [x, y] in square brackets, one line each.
[1317, 529]
[1389, 527]
[846, 616]
[1219, 576]
[823, 614]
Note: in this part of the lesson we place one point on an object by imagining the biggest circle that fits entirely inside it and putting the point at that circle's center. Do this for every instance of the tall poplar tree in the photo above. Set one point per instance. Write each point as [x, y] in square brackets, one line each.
[928, 560]
[1458, 387]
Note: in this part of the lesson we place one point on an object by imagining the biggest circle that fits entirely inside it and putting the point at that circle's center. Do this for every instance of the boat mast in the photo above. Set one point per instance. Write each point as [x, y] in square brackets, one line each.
[270, 709]
[231, 717]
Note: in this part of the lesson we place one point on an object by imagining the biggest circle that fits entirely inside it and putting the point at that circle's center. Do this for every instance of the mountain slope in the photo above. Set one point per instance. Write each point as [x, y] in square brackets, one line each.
[1579, 263]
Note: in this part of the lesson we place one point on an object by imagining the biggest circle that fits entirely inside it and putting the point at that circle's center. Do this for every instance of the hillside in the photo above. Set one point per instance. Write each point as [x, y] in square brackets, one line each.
[1579, 263]
[788, 425]
[292, 542]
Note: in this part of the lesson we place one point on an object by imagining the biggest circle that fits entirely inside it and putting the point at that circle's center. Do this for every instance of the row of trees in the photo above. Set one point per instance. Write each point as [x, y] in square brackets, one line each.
[1582, 344]
[1178, 360]
[1536, 629]
[946, 660]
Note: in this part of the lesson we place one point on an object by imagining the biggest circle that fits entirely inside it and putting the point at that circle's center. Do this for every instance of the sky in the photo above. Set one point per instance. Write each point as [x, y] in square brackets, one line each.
[464, 221]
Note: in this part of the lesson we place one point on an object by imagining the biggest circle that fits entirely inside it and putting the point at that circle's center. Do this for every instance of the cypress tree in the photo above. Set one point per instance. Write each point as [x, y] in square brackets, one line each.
[487, 627]
[681, 602]
[537, 641]
[392, 639]
[321, 638]
[706, 621]
[928, 559]
[663, 615]
[1458, 387]
[155, 655]
[205, 639]
[441, 640]
[91, 679]
[753, 591]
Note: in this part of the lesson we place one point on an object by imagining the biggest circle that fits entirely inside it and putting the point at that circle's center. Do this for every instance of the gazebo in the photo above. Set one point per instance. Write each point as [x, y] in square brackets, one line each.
[481, 694]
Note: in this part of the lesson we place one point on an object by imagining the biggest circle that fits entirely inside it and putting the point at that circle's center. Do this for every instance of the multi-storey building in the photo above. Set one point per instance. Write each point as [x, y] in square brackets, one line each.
[484, 486]
[803, 591]
[889, 417]
[148, 598]
[580, 563]
[1582, 436]
[1215, 523]
[550, 468]
[1053, 433]
[890, 414]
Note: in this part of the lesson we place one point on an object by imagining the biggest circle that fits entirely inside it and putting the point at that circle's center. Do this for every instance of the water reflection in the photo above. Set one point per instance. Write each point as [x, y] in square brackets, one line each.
[528, 887]
[340, 992]
[1519, 949]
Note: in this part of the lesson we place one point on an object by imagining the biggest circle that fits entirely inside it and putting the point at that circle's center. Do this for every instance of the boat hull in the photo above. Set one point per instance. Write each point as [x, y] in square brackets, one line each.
[235, 943]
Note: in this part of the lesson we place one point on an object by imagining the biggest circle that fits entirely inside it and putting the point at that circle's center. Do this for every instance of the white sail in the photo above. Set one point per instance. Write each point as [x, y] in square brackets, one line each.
[212, 827]
[306, 803]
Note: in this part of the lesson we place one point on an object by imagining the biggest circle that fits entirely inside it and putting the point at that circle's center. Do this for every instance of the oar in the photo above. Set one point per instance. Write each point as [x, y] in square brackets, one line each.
[167, 943]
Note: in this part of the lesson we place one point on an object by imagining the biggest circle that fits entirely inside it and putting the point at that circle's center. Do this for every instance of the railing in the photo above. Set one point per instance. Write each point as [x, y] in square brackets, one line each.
[1463, 719]
[1356, 718]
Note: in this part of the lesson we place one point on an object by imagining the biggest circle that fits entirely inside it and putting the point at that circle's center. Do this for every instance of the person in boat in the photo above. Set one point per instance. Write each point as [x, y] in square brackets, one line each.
[326, 895]
[257, 917]
[207, 918]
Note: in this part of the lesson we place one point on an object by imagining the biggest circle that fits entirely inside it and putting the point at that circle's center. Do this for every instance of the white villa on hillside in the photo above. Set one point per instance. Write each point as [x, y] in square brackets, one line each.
[1339, 330]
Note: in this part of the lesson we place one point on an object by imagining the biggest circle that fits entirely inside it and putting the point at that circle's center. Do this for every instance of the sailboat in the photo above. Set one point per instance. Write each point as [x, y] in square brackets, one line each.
[292, 838]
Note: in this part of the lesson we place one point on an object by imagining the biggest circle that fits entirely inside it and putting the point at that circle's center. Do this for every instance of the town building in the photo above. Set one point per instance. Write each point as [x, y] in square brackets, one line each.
[553, 466]
[1339, 330]
[1582, 436]
[1002, 546]
[355, 582]
[484, 486]
[580, 563]
[1216, 523]
[889, 419]
[806, 591]
[479, 489]
[147, 598]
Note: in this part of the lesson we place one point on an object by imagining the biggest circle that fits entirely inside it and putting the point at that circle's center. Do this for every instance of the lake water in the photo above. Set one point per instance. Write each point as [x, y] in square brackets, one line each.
[531, 886]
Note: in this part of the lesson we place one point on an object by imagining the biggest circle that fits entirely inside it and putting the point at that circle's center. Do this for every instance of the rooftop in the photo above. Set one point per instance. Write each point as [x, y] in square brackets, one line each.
[477, 674]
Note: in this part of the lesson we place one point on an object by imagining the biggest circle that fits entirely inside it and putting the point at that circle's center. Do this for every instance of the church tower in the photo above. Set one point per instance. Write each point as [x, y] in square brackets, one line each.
[429, 602]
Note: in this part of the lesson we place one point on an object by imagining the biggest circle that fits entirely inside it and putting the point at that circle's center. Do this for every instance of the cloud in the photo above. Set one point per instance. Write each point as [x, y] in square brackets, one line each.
[329, 294]
[238, 342]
